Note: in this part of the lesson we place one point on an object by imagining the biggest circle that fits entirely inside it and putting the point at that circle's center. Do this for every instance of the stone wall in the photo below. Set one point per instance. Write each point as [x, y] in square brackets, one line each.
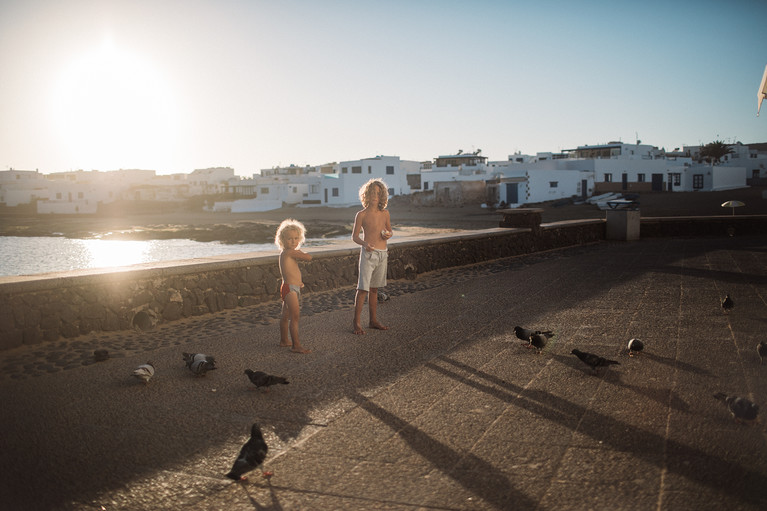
[46, 308]
[35, 309]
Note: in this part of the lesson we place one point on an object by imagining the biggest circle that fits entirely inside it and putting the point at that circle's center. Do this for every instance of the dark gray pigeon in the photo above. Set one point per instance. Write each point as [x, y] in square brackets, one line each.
[144, 372]
[190, 358]
[635, 347]
[200, 367]
[199, 363]
[251, 457]
[261, 379]
[524, 333]
[741, 408]
[593, 361]
[761, 349]
[727, 303]
[538, 341]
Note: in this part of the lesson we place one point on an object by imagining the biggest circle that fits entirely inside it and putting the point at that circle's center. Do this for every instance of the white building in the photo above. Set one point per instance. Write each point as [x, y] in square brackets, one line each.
[22, 187]
[751, 157]
[612, 167]
[336, 184]
[211, 181]
[82, 192]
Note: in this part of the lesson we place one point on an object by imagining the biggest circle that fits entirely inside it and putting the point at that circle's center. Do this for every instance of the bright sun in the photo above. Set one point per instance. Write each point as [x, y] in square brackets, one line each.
[113, 110]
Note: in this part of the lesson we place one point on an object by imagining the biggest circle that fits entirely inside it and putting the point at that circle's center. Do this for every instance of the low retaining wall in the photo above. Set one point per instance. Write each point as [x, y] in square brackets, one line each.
[40, 308]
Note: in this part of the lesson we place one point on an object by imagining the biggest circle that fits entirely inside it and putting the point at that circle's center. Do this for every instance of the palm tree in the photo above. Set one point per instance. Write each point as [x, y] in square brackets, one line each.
[714, 151]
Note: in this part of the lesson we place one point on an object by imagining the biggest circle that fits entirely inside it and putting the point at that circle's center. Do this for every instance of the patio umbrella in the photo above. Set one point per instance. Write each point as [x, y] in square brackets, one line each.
[733, 204]
[762, 92]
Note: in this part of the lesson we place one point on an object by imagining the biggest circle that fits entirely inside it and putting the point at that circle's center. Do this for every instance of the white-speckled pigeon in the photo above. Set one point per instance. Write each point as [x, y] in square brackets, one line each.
[144, 372]
[727, 303]
[635, 346]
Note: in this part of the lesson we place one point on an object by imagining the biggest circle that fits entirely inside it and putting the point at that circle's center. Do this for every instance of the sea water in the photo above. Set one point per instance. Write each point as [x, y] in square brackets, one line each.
[35, 255]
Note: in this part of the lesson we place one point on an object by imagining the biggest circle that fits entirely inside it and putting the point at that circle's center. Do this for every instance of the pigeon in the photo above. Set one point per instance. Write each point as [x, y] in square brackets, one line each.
[190, 358]
[382, 297]
[635, 346]
[761, 348]
[144, 372]
[524, 333]
[727, 303]
[538, 341]
[593, 361]
[741, 408]
[199, 363]
[252, 456]
[261, 379]
[202, 366]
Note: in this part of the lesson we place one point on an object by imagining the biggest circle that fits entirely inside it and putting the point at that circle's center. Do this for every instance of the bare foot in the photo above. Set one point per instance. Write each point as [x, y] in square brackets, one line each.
[358, 329]
[286, 344]
[378, 326]
[298, 349]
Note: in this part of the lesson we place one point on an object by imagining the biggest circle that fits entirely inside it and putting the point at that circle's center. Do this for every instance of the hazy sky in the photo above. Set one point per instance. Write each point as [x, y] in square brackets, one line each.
[174, 85]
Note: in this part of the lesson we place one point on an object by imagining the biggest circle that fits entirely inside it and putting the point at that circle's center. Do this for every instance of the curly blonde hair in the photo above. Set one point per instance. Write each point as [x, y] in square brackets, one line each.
[375, 186]
[286, 226]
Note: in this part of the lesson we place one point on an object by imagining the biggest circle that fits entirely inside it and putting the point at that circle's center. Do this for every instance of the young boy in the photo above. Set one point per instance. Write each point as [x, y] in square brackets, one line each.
[290, 234]
[375, 225]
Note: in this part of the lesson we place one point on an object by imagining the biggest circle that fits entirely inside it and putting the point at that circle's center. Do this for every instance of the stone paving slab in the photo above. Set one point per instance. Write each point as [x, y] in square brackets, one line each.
[447, 410]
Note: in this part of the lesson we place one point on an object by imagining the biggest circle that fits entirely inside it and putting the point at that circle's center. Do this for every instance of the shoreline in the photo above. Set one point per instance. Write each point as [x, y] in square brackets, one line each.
[334, 222]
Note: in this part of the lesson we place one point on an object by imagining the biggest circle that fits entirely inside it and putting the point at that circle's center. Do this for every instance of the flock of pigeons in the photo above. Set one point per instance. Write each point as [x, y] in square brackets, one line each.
[742, 409]
[253, 453]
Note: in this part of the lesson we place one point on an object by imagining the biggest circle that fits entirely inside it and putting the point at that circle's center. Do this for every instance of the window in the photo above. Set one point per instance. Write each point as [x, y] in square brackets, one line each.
[390, 169]
[425, 185]
[356, 170]
[315, 189]
[640, 178]
[608, 178]
[697, 181]
[295, 189]
[335, 192]
[58, 195]
[553, 184]
[80, 195]
[391, 192]
[370, 169]
[344, 170]
[264, 191]
[678, 178]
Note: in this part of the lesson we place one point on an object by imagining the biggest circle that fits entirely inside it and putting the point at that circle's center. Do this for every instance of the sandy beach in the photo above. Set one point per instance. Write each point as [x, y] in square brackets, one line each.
[333, 222]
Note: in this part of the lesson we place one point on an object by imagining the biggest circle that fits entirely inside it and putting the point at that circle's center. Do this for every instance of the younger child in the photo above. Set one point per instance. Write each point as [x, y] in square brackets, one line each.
[290, 234]
[375, 225]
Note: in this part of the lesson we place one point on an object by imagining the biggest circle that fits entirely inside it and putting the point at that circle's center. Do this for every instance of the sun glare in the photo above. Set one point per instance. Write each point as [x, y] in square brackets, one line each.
[113, 110]
[113, 253]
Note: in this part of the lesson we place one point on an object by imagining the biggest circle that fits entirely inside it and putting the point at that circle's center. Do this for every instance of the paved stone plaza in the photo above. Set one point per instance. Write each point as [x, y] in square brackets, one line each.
[446, 410]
